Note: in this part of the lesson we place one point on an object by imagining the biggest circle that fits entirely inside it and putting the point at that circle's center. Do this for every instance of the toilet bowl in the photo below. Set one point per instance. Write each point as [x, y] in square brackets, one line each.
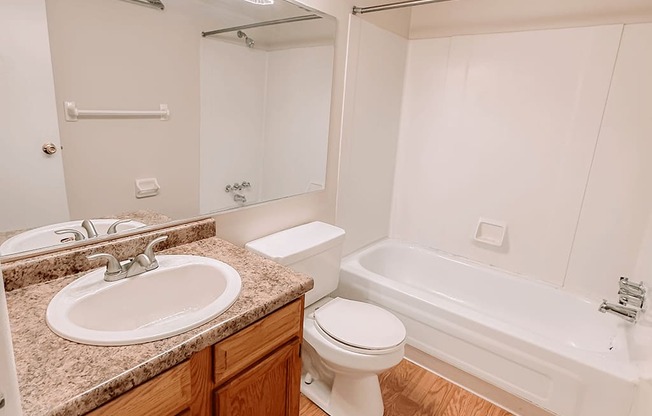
[346, 343]
[347, 383]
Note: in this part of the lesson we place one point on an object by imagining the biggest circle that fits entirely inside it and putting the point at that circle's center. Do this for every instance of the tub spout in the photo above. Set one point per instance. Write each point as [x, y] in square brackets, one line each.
[628, 314]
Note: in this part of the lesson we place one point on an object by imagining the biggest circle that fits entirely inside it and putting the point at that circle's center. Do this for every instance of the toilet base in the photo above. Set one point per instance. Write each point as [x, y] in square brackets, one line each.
[349, 395]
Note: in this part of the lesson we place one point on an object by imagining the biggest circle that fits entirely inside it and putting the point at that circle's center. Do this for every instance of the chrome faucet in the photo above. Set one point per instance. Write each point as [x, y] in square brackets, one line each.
[631, 300]
[144, 262]
[627, 313]
[90, 228]
[633, 294]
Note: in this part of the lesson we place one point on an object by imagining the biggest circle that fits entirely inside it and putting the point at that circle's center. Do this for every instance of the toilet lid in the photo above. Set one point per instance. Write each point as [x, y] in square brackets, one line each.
[360, 325]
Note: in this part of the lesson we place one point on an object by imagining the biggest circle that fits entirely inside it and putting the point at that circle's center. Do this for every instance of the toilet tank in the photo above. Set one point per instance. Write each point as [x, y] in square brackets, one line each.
[314, 249]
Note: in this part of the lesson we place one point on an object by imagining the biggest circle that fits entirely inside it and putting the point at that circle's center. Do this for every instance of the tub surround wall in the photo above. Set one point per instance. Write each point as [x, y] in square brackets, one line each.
[543, 130]
[502, 127]
[59, 377]
[231, 148]
[299, 82]
[44, 268]
[375, 71]
[613, 235]
[254, 126]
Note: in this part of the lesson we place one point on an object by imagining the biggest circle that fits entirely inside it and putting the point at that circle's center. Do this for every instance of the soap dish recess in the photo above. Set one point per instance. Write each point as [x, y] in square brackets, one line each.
[491, 232]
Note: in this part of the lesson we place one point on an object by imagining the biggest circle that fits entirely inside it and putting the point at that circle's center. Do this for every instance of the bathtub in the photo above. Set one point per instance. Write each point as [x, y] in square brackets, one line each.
[542, 344]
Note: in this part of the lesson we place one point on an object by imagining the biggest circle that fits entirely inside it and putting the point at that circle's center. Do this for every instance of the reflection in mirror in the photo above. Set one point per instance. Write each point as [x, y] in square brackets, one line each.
[247, 87]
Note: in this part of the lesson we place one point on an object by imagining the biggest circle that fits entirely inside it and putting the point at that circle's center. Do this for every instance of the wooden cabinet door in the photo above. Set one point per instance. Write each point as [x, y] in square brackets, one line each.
[269, 388]
[168, 394]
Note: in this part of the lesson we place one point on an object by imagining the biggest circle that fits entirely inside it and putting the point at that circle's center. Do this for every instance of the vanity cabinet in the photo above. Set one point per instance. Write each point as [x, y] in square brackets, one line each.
[254, 372]
[167, 394]
[269, 388]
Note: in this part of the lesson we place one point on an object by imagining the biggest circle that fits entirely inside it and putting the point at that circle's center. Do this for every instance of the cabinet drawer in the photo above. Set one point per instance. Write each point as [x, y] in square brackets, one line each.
[167, 394]
[239, 351]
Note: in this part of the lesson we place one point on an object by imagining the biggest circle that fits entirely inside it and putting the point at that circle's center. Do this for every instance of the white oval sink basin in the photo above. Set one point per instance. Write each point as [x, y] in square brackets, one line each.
[42, 237]
[182, 293]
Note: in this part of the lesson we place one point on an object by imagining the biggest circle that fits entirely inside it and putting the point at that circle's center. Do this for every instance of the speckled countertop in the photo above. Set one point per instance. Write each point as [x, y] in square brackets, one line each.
[60, 377]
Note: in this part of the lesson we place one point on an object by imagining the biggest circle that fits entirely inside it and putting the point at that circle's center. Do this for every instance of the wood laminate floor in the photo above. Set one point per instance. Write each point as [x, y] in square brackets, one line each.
[409, 390]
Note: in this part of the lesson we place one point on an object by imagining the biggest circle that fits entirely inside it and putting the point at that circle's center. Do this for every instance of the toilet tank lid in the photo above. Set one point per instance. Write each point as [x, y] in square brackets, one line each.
[295, 244]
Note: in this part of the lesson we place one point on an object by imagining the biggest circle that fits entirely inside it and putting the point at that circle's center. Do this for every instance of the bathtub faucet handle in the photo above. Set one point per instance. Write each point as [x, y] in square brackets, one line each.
[632, 294]
[637, 289]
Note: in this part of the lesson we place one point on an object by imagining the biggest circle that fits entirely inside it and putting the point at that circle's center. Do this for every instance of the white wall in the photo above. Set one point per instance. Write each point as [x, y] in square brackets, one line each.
[299, 82]
[611, 235]
[375, 71]
[28, 118]
[233, 83]
[502, 127]
[158, 64]
[8, 380]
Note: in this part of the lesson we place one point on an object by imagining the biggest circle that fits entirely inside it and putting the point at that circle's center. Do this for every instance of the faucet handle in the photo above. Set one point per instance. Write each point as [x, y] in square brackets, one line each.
[113, 228]
[76, 234]
[627, 299]
[149, 251]
[637, 289]
[113, 266]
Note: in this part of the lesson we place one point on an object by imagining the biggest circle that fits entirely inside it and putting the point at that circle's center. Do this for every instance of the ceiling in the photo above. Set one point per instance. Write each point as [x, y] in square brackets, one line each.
[458, 17]
[221, 14]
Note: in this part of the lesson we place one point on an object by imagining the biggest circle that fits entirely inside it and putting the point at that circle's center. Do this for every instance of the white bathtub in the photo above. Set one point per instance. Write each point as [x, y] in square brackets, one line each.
[535, 341]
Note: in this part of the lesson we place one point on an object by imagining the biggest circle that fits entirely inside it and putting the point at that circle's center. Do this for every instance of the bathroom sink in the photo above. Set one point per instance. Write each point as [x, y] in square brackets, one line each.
[182, 293]
[45, 237]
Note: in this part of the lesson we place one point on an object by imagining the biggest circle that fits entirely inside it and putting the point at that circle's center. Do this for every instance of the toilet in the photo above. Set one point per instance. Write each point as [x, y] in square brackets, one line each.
[346, 343]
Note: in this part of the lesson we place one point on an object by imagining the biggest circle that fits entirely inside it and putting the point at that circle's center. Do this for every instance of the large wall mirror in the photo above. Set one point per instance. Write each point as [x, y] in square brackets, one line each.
[156, 111]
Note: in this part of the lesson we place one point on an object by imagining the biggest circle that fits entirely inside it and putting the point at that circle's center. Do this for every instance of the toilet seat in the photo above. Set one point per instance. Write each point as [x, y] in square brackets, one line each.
[360, 327]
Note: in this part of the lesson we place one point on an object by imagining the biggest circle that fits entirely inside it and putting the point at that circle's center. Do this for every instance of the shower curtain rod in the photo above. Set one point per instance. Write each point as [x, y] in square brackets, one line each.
[267, 23]
[156, 4]
[390, 6]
